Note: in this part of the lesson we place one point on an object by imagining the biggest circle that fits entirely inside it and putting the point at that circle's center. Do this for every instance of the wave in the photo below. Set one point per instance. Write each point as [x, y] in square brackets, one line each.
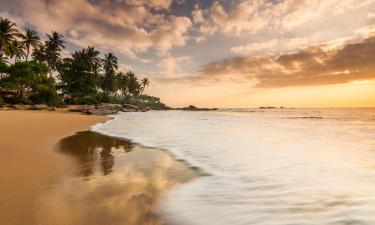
[263, 169]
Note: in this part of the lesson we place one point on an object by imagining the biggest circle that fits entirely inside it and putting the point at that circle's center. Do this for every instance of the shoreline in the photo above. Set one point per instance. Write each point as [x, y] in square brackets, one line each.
[51, 159]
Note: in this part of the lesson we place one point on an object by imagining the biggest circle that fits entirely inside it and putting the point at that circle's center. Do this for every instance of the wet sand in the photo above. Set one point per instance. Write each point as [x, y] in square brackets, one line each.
[85, 178]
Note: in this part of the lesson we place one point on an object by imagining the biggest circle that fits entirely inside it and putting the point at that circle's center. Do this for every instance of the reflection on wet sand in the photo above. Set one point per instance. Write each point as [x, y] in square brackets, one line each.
[115, 182]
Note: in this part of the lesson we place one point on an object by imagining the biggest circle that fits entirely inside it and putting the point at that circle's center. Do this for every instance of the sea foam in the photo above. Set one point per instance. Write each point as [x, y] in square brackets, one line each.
[274, 166]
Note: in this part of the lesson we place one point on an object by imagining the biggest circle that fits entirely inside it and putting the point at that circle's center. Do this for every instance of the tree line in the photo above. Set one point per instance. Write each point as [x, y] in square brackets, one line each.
[33, 71]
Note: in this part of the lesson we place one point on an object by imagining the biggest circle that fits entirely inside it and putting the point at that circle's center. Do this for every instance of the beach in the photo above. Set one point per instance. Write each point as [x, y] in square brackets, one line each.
[51, 175]
[28, 162]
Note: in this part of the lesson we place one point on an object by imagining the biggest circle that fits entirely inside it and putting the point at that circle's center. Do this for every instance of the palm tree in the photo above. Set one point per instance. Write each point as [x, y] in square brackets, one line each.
[110, 62]
[123, 83]
[54, 45]
[17, 51]
[40, 54]
[109, 82]
[8, 35]
[145, 82]
[4, 59]
[31, 39]
[134, 88]
[92, 56]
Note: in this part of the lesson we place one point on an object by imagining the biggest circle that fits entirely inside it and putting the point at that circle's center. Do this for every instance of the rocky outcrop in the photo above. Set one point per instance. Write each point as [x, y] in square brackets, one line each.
[80, 108]
[43, 107]
[106, 109]
[21, 107]
[30, 107]
[108, 106]
[130, 108]
[100, 109]
[101, 112]
[194, 108]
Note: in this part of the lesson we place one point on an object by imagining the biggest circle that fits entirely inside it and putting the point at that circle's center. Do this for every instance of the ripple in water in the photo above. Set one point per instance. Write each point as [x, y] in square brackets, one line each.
[264, 169]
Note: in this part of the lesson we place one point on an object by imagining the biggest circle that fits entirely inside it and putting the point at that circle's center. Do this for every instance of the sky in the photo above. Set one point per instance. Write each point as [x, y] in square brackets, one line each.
[222, 53]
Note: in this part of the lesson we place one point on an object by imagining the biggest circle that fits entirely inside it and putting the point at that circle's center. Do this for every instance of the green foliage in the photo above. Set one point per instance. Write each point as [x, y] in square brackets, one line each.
[29, 82]
[80, 75]
[83, 78]
[147, 101]
[109, 81]
[8, 38]
[2, 102]
[3, 68]
[31, 39]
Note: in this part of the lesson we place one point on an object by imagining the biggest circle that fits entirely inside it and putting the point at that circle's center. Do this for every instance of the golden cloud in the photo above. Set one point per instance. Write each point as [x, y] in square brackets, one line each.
[315, 65]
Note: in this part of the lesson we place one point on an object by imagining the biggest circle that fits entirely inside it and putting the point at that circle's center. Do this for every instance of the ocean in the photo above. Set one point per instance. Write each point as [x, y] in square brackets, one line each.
[263, 166]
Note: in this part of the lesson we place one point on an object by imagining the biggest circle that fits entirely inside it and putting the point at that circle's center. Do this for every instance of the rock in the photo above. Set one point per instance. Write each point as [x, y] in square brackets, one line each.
[21, 107]
[108, 106]
[80, 108]
[194, 108]
[41, 107]
[128, 110]
[129, 106]
[191, 107]
[101, 112]
[267, 107]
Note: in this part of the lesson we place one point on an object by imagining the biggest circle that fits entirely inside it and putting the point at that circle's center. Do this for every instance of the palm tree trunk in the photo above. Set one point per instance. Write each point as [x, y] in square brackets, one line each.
[1, 52]
[27, 54]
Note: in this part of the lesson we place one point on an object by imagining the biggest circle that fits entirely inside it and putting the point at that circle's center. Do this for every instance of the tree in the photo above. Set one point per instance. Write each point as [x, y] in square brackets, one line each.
[17, 52]
[53, 47]
[4, 59]
[40, 54]
[145, 82]
[80, 74]
[123, 83]
[110, 65]
[134, 87]
[31, 39]
[8, 37]
[30, 82]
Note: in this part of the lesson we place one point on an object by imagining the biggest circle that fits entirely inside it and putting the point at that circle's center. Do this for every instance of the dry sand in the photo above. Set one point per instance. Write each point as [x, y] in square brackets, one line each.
[28, 162]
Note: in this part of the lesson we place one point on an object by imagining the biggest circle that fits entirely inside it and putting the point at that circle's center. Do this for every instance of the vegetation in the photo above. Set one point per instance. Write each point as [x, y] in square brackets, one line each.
[48, 78]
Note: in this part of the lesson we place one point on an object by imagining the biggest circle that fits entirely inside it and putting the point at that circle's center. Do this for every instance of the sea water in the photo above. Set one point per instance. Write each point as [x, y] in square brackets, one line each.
[264, 166]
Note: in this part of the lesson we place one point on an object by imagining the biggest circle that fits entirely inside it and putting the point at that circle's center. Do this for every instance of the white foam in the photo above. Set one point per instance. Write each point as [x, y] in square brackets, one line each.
[266, 167]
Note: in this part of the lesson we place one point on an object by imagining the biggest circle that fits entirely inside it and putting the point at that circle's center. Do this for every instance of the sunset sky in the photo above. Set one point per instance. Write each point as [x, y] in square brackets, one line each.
[239, 53]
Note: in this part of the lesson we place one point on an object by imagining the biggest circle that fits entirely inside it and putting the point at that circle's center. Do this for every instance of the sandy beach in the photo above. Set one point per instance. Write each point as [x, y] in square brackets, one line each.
[28, 162]
[52, 175]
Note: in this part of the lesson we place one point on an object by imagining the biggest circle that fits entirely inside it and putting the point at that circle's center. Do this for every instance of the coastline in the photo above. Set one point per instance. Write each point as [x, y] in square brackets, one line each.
[54, 170]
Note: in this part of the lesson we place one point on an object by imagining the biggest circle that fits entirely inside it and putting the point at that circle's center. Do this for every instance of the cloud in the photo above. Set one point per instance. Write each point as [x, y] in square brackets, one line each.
[252, 48]
[173, 66]
[129, 26]
[315, 65]
[171, 32]
[285, 17]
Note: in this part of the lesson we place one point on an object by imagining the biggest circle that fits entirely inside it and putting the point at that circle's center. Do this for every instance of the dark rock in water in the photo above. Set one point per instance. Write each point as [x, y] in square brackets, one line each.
[194, 108]
[267, 107]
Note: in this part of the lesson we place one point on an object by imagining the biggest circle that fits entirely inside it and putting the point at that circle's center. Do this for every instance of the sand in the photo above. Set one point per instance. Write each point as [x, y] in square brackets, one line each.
[28, 163]
[51, 174]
